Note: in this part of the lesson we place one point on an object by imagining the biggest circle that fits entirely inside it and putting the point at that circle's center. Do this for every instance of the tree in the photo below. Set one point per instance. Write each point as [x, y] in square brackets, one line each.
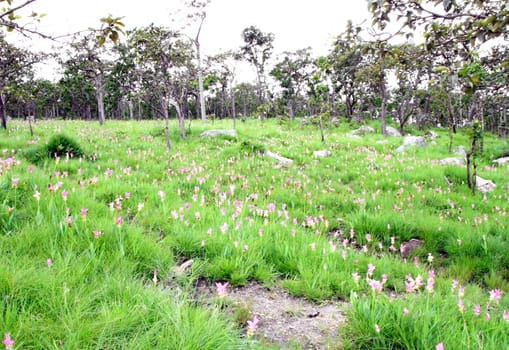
[14, 64]
[292, 73]
[257, 50]
[163, 63]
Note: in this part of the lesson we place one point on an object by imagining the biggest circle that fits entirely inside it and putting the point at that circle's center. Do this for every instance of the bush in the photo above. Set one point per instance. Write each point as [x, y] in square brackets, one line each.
[61, 145]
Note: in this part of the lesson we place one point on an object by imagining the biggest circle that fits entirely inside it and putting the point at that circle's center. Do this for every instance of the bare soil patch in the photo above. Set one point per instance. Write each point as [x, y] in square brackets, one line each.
[286, 321]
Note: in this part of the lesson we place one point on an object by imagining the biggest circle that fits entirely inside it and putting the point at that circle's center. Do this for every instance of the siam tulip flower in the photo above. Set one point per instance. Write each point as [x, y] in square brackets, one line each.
[161, 194]
[49, 262]
[37, 195]
[202, 244]
[454, 285]
[506, 316]
[368, 237]
[118, 221]
[430, 283]
[197, 215]
[440, 346]
[405, 312]
[64, 195]
[461, 291]
[154, 277]
[430, 258]
[15, 182]
[477, 309]
[356, 277]
[127, 195]
[97, 233]
[30, 168]
[377, 328]
[487, 316]
[84, 213]
[495, 295]
[223, 227]
[68, 220]
[221, 289]
[371, 269]
[312, 246]
[140, 206]
[252, 325]
[8, 342]
[461, 306]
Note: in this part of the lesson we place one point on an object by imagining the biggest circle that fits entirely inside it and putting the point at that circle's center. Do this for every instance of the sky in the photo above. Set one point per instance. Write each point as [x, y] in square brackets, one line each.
[296, 24]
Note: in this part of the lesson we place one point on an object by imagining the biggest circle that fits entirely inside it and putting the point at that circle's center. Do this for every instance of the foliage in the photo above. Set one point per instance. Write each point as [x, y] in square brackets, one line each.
[61, 145]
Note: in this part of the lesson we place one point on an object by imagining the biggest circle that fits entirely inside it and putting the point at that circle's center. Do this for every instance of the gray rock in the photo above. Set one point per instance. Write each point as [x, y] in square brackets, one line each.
[365, 129]
[483, 185]
[431, 135]
[460, 151]
[452, 161]
[390, 131]
[407, 248]
[322, 154]
[502, 161]
[414, 141]
[216, 133]
[400, 149]
[279, 158]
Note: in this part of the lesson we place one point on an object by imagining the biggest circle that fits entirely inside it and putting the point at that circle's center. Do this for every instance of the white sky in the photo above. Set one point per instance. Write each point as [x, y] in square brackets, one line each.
[296, 24]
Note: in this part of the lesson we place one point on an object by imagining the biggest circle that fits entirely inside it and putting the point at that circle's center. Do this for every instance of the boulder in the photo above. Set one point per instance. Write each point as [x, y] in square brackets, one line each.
[407, 248]
[483, 185]
[431, 135]
[216, 133]
[390, 131]
[363, 130]
[502, 161]
[460, 151]
[279, 158]
[414, 141]
[322, 153]
[452, 161]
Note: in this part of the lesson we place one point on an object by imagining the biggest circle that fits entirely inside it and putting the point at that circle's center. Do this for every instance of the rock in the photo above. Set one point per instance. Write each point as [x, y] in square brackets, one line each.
[279, 158]
[483, 185]
[322, 154]
[407, 248]
[390, 131]
[460, 151]
[452, 161]
[502, 161]
[412, 141]
[363, 130]
[183, 268]
[215, 133]
[431, 135]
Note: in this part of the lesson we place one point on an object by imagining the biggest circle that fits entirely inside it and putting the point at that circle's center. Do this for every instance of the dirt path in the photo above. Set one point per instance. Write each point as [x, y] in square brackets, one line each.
[286, 321]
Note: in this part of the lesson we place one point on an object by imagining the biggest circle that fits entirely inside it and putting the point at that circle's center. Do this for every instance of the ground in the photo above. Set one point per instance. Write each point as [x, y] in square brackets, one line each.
[286, 321]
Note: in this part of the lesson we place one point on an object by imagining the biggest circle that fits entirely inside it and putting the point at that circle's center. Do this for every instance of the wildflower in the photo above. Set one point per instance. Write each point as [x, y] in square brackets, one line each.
[14, 182]
[221, 289]
[64, 195]
[127, 195]
[30, 168]
[118, 221]
[154, 278]
[371, 268]
[161, 194]
[83, 213]
[97, 233]
[461, 306]
[477, 309]
[223, 227]
[454, 284]
[506, 316]
[140, 206]
[487, 316]
[461, 291]
[430, 258]
[8, 342]
[68, 220]
[37, 195]
[49, 262]
[252, 325]
[377, 328]
[440, 346]
[376, 286]
[368, 237]
[312, 246]
[430, 283]
[197, 215]
[405, 312]
[356, 277]
[495, 295]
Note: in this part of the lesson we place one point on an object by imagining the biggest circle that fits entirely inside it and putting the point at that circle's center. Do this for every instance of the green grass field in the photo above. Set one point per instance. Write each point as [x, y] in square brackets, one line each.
[88, 244]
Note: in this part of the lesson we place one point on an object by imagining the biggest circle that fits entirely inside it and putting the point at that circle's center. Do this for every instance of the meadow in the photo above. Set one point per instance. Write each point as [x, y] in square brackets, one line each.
[89, 243]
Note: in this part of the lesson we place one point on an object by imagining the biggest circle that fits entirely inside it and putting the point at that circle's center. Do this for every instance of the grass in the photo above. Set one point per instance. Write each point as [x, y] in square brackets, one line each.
[108, 219]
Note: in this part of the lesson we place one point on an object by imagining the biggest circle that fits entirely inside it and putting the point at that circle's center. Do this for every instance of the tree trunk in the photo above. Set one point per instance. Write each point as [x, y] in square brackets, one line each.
[383, 92]
[200, 84]
[180, 117]
[234, 114]
[2, 112]
[99, 95]
[164, 109]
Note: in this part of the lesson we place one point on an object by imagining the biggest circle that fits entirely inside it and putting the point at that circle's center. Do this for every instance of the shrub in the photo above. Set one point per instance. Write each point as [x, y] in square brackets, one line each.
[61, 145]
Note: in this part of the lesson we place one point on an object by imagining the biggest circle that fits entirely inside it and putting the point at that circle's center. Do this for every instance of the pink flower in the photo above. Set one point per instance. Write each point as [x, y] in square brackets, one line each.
[356, 277]
[495, 295]
[405, 312]
[368, 237]
[49, 262]
[454, 284]
[127, 195]
[487, 316]
[221, 289]
[83, 213]
[14, 182]
[8, 342]
[440, 346]
[252, 325]
[477, 309]
[506, 316]
[118, 221]
[64, 195]
[461, 306]
[97, 233]
[161, 194]
[371, 268]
